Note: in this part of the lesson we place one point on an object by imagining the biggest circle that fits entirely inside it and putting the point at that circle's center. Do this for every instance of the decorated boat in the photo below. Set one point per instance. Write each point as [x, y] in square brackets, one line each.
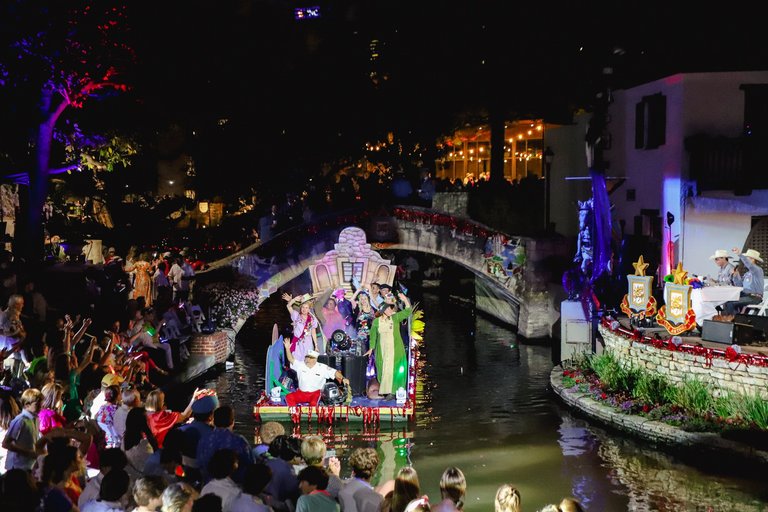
[351, 265]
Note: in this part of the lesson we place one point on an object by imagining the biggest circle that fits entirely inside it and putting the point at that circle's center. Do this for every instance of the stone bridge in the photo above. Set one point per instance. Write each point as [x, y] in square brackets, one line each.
[507, 284]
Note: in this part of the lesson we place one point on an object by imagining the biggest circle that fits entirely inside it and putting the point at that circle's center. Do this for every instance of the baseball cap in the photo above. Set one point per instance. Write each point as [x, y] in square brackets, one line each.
[205, 405]
[313, 353]
[111, 379]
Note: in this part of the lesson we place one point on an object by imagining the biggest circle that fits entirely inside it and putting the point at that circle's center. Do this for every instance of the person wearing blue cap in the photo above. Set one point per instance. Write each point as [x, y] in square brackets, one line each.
[199, 428]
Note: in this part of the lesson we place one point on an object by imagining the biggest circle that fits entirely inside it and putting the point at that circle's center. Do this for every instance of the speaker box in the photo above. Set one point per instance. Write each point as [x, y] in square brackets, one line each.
[354, 370]
[758, 322]
[727, 332]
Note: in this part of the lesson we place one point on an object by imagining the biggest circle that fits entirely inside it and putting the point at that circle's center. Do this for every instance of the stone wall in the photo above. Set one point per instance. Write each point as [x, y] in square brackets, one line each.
[454, 203]
[718, 372]
[702, 443]
[215, 344]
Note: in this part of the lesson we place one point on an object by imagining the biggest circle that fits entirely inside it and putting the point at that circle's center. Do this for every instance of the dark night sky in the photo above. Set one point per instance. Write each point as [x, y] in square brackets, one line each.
[299, 92]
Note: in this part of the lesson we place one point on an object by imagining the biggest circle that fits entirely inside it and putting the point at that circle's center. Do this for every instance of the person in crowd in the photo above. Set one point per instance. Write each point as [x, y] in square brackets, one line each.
[146, 333]
[13, 334]
[507, 499]
[109, 459]
[387, 345]
[112, 494]
[305, 325]
[9, 409]
[58, 467]
[267, 432]
[725, 269]
[313, 451]
[160, 419]
[162, 286]
[67, 371]
[138, 442]
[208, 503]
[148, 493]
[130, 398]
[223, 437]
[25, 494]
[105, 417]
[50, 415]
[221, 467]
[453, 488]
[200, 428]
[179, 497]
[570, 505]
[166, 461]
[752, 282]
[357, 494]
[141, 269]
[311, 375]
[20, 440]
[283, 489]
[406, 489]
[257, 477]
[314, 498]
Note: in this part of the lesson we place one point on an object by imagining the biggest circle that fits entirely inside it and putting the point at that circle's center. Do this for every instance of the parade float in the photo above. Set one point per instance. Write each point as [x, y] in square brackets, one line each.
[351, 265]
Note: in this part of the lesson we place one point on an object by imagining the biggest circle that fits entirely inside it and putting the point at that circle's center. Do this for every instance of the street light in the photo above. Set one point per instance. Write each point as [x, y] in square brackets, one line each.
[548, 156]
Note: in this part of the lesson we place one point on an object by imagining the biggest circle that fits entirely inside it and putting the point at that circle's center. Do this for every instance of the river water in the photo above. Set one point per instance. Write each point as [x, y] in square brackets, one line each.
[485, 407]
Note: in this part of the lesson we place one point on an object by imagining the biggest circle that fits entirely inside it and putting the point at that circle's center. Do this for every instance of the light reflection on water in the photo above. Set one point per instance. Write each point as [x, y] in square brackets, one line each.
[484, 406]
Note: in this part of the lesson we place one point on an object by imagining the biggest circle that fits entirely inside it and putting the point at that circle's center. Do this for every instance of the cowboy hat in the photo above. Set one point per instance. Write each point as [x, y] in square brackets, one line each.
[751, 253]
[303, 299]
[720, 253]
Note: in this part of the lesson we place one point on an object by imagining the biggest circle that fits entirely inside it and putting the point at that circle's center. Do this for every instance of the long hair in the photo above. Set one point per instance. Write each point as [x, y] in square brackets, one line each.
[407, 488]
[137, 428]
[9, 409]
[52, 393]
[453, 486]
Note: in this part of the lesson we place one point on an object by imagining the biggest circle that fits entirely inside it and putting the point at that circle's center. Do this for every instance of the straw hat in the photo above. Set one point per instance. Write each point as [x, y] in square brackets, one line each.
[751, 253]
[303, 299]
[720, 253]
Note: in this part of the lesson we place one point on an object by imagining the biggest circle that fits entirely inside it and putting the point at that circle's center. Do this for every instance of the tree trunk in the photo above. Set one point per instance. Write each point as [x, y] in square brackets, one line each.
[38, 181]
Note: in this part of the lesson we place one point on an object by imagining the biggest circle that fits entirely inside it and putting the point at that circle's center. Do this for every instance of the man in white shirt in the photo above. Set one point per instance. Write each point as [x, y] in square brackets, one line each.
[312, 376]
[130, 398]
[175, 276]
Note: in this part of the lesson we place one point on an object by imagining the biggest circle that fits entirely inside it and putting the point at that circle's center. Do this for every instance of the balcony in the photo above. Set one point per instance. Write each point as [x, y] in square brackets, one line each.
[720, 163]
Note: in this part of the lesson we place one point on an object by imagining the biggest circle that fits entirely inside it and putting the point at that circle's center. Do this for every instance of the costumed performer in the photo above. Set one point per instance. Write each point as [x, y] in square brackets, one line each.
[361, 302]
[387, 342]
[304, 336]
[312, 376]
[724, 269]
[752, 282]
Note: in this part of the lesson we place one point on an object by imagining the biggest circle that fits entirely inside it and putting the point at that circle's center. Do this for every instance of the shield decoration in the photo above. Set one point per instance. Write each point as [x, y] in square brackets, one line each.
[678, 300]
[639, 292]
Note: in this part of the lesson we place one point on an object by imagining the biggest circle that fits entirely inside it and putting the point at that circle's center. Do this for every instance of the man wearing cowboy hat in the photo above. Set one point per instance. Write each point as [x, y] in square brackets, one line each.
[312, 376]
[725, 269]
[752, 282]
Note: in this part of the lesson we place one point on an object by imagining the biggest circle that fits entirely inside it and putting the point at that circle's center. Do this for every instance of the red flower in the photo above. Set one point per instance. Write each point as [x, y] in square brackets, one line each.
[646, 408]
[603, 396]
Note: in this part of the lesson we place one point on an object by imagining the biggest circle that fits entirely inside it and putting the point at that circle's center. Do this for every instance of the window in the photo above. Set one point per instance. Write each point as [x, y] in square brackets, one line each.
[651, 122]
[352, 269]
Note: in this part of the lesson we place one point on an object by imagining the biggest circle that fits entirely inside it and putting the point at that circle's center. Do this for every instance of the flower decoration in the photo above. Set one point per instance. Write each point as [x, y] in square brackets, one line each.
[231, 302]
[732, 353]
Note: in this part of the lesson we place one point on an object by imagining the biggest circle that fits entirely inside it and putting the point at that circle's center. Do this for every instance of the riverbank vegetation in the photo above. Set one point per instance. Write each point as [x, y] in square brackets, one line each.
[691, 405]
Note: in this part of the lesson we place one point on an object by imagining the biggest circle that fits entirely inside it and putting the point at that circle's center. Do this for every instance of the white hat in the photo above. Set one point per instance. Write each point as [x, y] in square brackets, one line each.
[313, 353]
[751, 253]
[720, 253]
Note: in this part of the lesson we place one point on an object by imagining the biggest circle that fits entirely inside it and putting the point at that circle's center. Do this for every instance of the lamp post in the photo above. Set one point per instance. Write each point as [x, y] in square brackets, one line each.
[548, 156]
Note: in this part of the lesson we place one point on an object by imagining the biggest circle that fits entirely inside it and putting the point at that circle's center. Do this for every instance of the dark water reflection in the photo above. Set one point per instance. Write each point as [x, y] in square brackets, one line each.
[485, 407]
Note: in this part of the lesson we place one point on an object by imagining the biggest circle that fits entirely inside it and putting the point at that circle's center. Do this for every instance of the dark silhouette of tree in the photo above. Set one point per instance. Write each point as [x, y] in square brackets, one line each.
[61, 55]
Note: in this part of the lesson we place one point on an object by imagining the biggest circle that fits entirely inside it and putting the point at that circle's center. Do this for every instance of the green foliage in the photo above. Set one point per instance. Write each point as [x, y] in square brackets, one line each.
[729, 405]
[613, 375]
[693, 396]
[568, 382]
[650, 387]
[755, 410]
